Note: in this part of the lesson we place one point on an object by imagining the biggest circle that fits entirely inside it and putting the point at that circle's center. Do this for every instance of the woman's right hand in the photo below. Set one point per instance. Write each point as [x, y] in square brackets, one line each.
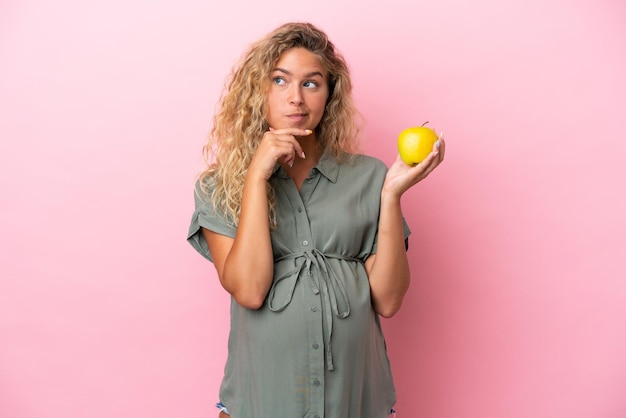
[277, 146]
[245, 263]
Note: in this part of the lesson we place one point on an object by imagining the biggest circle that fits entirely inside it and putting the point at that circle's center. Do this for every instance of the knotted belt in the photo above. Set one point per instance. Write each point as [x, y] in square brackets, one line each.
[331, 288]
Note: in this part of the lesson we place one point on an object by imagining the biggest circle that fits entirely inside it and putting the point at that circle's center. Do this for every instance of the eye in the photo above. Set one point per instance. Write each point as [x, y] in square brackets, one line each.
[310, 84]
[279, 81]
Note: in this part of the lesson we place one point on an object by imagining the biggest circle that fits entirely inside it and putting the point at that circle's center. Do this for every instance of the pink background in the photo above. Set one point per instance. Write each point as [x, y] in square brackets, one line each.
[517, 307]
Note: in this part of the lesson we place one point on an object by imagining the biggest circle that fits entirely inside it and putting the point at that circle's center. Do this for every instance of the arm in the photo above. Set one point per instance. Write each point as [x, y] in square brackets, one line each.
[245, 264]
[388, 269]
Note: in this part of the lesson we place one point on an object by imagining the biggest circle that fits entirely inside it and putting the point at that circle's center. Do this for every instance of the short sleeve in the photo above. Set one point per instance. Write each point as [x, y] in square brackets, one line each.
[407, 232]
[405, 227]
[206, 216]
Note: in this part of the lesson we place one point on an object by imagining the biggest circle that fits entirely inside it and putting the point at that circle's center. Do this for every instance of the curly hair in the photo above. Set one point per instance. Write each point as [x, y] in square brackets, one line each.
[239, 123]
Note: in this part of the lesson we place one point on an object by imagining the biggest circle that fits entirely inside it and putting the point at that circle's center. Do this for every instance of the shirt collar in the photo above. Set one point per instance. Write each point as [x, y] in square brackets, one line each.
[327, 165]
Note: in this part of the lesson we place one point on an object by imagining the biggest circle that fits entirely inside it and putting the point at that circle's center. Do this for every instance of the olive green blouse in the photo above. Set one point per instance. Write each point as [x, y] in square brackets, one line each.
[315, 348]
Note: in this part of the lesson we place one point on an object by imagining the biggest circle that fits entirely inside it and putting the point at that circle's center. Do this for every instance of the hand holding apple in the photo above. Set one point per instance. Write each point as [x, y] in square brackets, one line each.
[414, 144]
[415, 161]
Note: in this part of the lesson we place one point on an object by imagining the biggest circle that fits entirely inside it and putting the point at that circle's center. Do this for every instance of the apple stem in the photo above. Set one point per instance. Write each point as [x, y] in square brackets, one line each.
[424, 123]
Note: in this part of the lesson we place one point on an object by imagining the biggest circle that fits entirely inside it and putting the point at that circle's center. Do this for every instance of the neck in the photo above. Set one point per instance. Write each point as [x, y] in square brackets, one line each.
[311, 147]
[302, 167]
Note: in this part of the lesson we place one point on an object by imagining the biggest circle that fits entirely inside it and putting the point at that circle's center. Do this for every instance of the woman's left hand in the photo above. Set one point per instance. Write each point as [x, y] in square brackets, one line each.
[402, 176]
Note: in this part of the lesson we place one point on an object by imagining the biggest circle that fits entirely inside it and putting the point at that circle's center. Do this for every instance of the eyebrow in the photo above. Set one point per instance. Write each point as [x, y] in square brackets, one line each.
[308, 75]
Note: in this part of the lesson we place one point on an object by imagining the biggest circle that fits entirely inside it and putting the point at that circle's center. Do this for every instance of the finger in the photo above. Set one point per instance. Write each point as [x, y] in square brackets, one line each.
[292, 131]
[427, 165]
[441, 146]
[430, 163]
[291, 139]
[290, 158]
[281, 147]
[441, 151]
[437, 143]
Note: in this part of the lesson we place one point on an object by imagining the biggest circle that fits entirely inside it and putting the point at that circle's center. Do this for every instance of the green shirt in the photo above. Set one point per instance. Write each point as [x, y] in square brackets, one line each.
[315, 348]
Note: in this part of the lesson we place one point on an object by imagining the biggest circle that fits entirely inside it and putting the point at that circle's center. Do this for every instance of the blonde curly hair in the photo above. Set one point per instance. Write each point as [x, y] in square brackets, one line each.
[240, 122]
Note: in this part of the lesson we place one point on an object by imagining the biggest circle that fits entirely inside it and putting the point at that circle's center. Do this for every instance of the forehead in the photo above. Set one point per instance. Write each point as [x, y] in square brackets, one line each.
[300, 60]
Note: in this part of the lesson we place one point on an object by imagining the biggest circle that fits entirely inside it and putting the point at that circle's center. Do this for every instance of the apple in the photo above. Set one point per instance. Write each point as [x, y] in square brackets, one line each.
[414, 144]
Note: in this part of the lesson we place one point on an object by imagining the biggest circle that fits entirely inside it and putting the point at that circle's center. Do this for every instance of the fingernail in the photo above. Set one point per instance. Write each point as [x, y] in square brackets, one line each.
[309, 132]
[438, 143]
[291, 164]
[303, 155]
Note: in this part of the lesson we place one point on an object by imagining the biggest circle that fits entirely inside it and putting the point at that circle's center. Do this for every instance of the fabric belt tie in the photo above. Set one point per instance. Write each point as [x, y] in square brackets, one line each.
[331, 288]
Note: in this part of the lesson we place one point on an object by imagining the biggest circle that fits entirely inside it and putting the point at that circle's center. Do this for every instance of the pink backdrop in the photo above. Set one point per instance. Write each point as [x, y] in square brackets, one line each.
[517, 307]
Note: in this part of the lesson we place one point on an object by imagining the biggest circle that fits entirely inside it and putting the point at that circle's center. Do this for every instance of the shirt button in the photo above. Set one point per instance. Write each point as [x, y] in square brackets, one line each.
[299, 209]
[313, 308]
[317, 416]
[316, 382]
[309, 181]
[316, 346]
[305, 243]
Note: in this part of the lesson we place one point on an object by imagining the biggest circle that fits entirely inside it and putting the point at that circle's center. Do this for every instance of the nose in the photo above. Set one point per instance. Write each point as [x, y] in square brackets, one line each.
[295, 96]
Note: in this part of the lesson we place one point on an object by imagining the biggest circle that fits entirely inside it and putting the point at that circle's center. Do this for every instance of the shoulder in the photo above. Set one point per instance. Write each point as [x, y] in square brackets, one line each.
[204, 187]
[362, 162]
[207, 202]
[361, 170]
[370, 161]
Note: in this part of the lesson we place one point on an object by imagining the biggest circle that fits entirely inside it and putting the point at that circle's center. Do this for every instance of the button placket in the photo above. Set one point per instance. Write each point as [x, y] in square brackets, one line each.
[316, 355]
[314, 344]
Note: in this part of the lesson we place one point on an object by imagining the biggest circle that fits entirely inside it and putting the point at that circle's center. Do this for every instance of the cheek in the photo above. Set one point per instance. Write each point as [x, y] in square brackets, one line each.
[322, 108]
[320, 103]
[271, 106]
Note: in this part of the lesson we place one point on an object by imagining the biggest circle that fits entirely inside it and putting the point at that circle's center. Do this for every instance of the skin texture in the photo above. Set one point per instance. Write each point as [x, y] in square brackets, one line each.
[295, 106]
[296, 101]
[245, 264]
[298, 92]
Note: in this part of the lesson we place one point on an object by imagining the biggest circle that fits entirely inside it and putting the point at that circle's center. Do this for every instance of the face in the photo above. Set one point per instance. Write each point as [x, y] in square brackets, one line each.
[298, 91]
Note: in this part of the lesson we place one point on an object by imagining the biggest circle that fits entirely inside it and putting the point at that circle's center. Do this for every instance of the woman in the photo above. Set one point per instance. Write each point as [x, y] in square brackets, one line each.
[306, 235]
